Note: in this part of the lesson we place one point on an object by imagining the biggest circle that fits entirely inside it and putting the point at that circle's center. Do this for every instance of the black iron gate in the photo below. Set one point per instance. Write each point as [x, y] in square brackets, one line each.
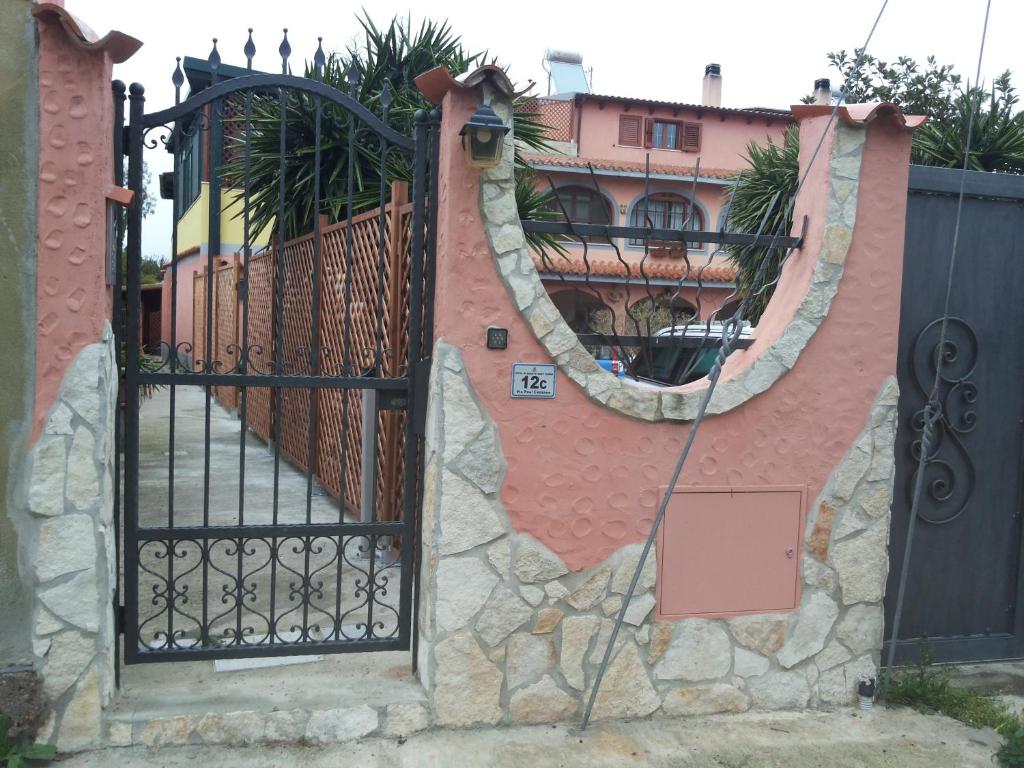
[271, 456]
[965, 578]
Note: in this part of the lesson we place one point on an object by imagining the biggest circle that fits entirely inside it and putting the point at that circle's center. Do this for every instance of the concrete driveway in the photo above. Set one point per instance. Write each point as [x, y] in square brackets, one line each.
[889, 739]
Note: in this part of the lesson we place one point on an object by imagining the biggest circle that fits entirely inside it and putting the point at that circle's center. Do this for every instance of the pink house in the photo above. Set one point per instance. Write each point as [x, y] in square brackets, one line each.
[627, 161]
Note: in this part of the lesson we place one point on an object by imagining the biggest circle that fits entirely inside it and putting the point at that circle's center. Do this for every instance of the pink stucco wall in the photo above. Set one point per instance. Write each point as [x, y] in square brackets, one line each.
[186, 268]
[75, 174]
[724, 141]
[585, 480]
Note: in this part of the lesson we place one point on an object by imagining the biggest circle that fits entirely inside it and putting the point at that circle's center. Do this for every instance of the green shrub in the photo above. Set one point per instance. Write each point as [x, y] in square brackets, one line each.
[1011, 753]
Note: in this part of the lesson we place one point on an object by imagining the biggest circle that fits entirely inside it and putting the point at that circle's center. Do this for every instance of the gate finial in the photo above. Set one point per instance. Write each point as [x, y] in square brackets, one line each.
[178, 79]
[353, 76]
[214, 57]
[319, 59]
[285, 49]
[249, 50]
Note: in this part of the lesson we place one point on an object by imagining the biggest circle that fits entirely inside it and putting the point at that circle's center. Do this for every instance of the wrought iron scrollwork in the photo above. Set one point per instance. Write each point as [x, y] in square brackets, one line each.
[295, 590]
[950, 475]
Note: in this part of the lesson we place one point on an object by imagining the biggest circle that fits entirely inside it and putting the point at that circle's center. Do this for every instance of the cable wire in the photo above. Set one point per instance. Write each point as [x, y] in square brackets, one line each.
[933, 407]
[730, 333]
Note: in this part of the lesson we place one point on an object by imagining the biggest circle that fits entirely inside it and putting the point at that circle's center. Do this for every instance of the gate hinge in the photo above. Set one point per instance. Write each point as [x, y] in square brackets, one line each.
[119, 618]
[421, 387]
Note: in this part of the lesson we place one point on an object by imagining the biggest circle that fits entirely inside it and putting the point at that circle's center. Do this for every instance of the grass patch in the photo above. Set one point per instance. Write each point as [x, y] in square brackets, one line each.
[1011, 753]
[929, 690]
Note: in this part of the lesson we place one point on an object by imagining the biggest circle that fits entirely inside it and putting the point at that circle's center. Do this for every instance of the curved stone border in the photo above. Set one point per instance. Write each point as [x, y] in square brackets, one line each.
[508, 634]
[515, 265]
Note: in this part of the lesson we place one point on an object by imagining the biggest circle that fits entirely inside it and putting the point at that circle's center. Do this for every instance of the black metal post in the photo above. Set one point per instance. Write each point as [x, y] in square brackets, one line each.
[136, 101]
[117, 321]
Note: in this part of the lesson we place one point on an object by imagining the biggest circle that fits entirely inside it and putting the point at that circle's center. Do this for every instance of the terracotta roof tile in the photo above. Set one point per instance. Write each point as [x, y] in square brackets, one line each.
[565, 161]
[660, 267]
[764, 112]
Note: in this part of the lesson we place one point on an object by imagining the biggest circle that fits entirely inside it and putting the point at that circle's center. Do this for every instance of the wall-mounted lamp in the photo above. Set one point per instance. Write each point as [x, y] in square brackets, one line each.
[486, 134]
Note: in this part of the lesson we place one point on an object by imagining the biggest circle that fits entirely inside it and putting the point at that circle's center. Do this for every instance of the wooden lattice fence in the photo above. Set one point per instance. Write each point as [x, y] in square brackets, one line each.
[363, 331]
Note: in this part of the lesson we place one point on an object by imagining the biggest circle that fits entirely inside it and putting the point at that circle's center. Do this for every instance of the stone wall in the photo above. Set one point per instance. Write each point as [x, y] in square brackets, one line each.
[509, 634]
[68, 540]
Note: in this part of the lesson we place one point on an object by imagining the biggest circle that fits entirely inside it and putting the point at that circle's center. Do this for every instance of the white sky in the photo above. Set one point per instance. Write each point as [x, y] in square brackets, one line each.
[770, 52]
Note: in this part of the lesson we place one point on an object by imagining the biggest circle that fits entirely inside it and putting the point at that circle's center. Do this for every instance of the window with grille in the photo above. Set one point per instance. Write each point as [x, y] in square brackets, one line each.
[191, 170]
[666, 211]
[583, 206]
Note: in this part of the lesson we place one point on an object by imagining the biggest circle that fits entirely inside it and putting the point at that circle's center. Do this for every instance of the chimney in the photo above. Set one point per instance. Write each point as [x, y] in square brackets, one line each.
[823, 91]
[712, 96]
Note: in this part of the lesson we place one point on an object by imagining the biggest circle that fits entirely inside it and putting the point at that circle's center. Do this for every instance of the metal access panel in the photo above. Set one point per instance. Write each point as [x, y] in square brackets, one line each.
[730, 551]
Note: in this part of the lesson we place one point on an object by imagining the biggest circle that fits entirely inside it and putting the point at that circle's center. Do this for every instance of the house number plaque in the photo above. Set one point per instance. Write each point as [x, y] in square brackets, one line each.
[533, 380]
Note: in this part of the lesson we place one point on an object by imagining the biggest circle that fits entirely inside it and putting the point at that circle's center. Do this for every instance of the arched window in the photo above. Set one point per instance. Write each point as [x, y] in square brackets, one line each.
[582, 311]
[647, 316]
[665, 210]
[583, 206]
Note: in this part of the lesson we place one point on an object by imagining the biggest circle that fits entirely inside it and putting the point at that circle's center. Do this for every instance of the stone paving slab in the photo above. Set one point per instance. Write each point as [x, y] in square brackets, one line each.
[893, 739]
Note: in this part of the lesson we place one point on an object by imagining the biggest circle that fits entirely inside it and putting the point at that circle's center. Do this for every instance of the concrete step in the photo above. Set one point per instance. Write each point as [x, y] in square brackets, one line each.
[339, 697]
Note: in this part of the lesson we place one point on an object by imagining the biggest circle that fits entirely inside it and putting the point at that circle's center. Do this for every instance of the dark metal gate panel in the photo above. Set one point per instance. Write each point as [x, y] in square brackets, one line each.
[205, 581]
[964, 585]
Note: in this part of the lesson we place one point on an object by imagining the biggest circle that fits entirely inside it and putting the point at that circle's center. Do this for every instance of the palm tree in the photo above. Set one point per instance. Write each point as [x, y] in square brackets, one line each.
[379, 73]
[762, 195]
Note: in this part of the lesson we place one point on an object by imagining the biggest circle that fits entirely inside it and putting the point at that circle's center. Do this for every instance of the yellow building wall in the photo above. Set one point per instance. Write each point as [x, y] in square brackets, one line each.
[194, 226]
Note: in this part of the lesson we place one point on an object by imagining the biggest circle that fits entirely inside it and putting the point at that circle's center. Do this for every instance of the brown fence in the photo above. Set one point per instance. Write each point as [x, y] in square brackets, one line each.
[369, 339]
[556, 114]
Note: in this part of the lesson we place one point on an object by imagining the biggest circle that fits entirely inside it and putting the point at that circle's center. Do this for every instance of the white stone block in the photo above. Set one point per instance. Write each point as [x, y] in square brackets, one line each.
[463, 586]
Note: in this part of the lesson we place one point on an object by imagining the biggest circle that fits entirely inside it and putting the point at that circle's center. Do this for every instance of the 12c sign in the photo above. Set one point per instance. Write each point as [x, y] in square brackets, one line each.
[533, 380]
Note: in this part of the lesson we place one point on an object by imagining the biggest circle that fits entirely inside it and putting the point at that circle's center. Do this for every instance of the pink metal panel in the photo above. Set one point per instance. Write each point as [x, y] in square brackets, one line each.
[730, 551]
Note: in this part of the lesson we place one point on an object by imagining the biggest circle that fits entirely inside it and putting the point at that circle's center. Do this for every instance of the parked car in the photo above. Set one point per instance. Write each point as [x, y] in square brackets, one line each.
[682, 353]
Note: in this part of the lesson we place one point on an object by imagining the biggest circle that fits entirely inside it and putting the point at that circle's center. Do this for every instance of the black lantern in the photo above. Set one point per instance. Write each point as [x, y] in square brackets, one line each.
[486, 134]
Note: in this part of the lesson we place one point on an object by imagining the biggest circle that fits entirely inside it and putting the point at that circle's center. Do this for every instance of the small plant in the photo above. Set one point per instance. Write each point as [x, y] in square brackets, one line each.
[147, 364]
[14, 754]
[1011, 753]
[929, 690]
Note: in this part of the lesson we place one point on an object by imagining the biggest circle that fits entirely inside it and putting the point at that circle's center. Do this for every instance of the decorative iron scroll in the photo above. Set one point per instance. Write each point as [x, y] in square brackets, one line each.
[950, 475]
[263, 591]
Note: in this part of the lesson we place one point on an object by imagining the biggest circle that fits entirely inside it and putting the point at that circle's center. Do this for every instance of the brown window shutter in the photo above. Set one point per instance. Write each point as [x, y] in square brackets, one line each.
[691, 137]
[629, 130]
[648, 132]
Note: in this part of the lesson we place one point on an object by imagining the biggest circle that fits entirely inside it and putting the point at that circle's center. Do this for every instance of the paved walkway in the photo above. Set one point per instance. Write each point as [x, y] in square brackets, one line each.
[882, 739]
